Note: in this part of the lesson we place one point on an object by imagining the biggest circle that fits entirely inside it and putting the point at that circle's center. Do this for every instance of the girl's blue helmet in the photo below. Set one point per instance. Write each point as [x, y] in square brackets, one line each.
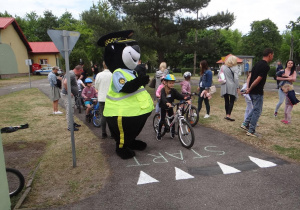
[170, 77]
[88, 80]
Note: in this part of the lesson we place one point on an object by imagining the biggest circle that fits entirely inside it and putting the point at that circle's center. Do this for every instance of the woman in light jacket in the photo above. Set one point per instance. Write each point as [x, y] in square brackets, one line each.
[229, 90]
[162, 72]
[204, 85]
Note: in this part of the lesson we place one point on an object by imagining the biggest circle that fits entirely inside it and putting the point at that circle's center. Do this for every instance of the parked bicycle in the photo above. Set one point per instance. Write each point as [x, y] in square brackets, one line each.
[94, 113]
[16, 181]
[191, 112]
[185, 131]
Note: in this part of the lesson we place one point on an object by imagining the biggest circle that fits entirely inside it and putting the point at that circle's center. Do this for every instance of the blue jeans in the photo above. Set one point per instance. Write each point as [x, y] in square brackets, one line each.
[251, 120]
[282, 96]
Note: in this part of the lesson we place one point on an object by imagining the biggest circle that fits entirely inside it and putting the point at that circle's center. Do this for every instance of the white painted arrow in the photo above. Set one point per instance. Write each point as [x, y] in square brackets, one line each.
[228, 169]
[145, 178]
[180, 174]
[262, 163]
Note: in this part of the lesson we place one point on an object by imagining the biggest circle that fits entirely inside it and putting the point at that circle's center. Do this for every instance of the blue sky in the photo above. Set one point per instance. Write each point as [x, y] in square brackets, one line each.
[281, 12]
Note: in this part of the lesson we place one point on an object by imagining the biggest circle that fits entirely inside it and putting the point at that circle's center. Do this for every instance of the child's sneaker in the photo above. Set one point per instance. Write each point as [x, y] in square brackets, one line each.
[275, 114]
[245, 127]
[285, 121]
[172, 135]
[158, 136]
[206, 116]
[251, 134]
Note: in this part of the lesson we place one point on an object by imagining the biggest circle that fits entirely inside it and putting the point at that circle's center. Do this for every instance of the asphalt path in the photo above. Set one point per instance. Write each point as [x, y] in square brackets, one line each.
[219, 172]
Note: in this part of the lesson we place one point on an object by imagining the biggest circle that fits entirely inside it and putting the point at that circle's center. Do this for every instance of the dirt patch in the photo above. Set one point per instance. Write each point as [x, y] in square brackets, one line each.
[23, 155]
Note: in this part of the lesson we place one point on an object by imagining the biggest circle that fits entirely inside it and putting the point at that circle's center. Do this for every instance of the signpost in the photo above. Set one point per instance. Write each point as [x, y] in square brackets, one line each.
[4, 193]
[29, 63]
[65, 42]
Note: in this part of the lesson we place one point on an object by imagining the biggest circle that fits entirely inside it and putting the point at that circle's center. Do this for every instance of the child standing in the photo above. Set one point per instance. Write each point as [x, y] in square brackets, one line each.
[168, 94]
[248, 100]
[157, 93]
[290, 101]
[186, 85]
[88, 93]
[80, 84]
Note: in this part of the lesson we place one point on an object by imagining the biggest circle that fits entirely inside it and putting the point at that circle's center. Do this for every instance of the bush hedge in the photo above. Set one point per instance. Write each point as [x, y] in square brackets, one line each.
[272, 71]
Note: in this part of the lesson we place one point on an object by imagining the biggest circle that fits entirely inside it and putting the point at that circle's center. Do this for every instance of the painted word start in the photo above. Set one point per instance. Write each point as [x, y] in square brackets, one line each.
[163, 158]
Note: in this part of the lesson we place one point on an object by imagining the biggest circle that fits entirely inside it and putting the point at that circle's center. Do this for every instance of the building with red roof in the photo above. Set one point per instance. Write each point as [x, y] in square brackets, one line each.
[244, 62]
[44, 54]
[15, 49]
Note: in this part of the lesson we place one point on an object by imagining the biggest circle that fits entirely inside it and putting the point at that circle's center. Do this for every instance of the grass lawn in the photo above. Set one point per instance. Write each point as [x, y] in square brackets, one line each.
[18, 80]
[56, 182]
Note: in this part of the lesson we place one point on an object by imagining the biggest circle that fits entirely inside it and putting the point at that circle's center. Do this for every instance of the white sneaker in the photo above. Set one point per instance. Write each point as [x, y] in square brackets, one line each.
[58, 112]
[206, 116]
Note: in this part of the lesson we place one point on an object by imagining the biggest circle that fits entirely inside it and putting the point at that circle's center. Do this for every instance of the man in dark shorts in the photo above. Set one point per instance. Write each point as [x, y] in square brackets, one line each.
[255, 88]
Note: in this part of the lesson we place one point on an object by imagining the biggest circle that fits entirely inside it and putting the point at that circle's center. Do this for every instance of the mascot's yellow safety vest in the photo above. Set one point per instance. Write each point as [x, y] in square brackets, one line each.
[127, 104]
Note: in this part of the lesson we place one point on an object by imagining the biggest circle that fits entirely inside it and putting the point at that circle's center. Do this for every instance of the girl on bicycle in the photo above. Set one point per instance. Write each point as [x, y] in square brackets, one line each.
[88, 93]
[167, 96]
[157, 93]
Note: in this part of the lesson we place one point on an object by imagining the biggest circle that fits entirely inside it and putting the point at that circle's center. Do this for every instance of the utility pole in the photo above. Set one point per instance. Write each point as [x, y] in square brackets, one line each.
[292, 47]
[195, 52]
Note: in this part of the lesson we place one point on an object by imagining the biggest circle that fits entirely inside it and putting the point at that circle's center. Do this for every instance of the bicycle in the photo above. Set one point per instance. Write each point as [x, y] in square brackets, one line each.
[191, 112]
[185, 131]
[79, 102]
[94, 114]
[16, 181]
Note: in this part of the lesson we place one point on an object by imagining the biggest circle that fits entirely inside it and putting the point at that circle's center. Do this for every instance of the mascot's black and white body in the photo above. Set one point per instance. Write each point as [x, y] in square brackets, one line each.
[128, 104]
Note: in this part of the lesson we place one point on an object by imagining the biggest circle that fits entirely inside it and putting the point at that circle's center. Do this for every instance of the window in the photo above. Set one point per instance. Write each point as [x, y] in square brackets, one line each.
[43, 61]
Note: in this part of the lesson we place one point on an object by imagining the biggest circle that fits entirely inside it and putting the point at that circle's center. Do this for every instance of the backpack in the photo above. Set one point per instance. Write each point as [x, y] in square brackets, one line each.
[221, 76]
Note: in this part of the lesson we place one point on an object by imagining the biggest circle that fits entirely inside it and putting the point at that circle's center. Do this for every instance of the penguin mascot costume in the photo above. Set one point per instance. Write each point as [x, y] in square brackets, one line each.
[127, 104]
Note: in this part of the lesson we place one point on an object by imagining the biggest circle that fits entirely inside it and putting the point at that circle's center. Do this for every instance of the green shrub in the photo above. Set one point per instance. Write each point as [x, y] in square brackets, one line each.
[272, 71]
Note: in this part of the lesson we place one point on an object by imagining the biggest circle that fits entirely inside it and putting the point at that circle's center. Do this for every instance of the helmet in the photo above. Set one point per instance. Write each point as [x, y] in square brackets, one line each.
[170, 77]
[187, 74]
[88, 80]
[162, 78]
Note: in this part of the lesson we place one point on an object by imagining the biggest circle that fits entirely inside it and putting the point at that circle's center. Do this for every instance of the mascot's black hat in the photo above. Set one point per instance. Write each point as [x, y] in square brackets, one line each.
[116, 37]
[120, 51]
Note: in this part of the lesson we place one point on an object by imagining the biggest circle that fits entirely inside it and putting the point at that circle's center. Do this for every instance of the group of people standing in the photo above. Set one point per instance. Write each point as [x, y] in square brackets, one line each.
[252, 90]
[81, 86]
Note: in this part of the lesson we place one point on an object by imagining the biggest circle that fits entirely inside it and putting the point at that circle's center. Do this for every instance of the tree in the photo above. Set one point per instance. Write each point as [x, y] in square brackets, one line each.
[162, 26]
[100, 20]
[31, 27]
[263, 34]
[294, 40]
[49, 21]
[285, 47]
[234, 38]
[5, 14]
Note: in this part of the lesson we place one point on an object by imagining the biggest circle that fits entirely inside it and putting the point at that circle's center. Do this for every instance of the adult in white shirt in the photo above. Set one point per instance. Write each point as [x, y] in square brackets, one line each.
[102, 83]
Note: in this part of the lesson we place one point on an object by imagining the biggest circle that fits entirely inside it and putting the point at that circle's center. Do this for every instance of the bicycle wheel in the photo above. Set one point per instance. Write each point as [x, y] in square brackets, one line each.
[192, 116]
[15, 180]
[186, 134]
[97, 118]
[156, 121]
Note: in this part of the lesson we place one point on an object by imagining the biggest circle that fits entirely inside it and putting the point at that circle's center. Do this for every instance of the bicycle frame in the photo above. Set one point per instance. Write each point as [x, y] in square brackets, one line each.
[184, 131]
[178, 117]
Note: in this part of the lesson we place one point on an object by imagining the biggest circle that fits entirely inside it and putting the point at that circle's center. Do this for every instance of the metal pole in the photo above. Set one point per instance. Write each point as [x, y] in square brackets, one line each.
[195, 52]
[29, 77]
[71, 121]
